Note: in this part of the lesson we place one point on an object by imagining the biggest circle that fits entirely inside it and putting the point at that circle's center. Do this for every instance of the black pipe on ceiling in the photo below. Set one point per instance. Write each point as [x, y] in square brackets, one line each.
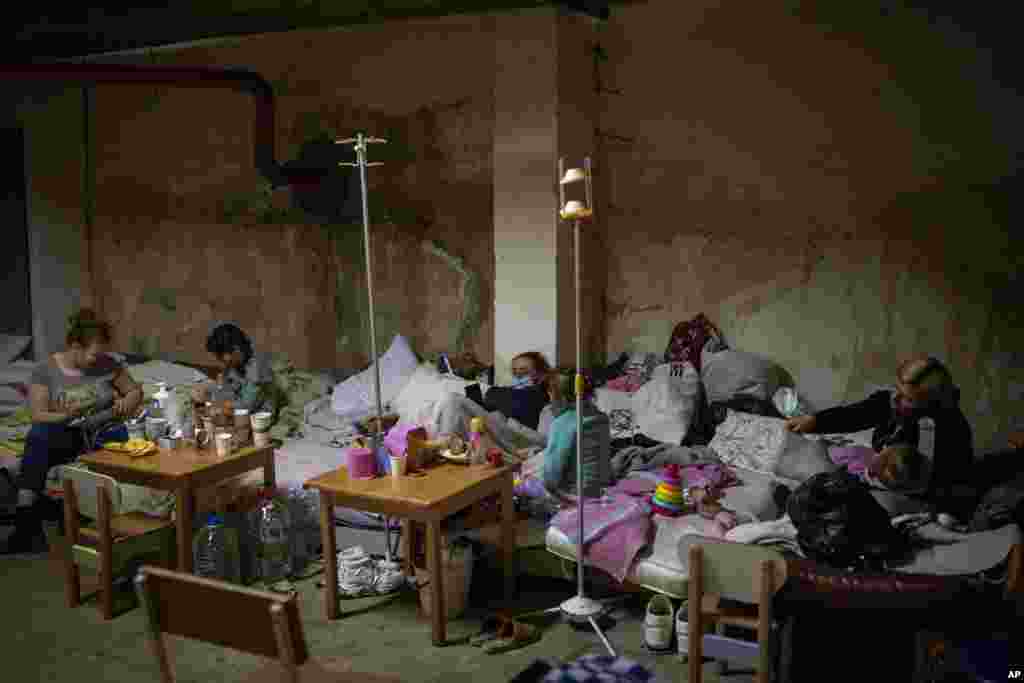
[263, 126]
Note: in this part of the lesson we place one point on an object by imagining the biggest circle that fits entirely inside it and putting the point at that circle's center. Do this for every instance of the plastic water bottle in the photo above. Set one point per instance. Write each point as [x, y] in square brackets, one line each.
[274, 529]
[160, 400]
[215, 552]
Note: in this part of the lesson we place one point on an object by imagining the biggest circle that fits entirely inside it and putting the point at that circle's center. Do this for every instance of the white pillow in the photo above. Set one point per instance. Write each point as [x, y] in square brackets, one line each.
[763, 444]
[357, 395]
[664, 406]
[416, 401]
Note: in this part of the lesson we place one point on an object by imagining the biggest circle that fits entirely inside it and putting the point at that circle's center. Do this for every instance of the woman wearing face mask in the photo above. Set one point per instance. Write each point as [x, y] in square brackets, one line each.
[83, 380]
[924, 388]
[513, 413]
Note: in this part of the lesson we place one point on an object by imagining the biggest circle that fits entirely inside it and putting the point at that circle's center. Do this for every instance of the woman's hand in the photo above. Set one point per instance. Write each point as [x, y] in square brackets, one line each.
[802, 424]
[1017, 440]
[122, 406]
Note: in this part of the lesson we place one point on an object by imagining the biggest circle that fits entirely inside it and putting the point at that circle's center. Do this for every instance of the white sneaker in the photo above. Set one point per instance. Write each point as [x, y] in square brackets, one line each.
[658, 624]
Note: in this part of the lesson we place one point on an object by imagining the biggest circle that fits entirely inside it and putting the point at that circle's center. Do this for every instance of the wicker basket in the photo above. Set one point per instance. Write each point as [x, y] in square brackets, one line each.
[457, 567]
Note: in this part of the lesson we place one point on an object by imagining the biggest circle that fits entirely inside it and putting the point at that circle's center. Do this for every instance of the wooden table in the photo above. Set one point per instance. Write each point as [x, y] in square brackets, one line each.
[183, 471]
[428, 498]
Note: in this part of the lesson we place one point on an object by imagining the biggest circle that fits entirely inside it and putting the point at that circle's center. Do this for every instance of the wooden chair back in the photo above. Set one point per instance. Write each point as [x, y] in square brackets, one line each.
[740, 572]
[221, 613]
[87, 486]
[734, 570]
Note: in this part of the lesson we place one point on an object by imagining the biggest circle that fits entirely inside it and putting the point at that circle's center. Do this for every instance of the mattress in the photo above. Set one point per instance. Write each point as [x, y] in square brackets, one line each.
[659, 567]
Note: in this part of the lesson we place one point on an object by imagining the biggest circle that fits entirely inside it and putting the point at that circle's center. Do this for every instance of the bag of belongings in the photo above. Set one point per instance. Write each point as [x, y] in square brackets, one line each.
[839, 523]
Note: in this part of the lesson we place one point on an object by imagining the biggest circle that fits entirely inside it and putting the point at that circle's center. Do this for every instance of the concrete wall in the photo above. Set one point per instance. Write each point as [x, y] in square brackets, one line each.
[816, 184]
[175, 254]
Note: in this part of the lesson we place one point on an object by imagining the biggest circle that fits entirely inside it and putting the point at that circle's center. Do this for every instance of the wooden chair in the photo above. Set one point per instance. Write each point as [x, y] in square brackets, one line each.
[244, 619]
[114, 542]
[739, 573]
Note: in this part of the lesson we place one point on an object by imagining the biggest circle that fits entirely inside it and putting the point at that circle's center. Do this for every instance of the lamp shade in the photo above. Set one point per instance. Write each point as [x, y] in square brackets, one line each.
[573, 175]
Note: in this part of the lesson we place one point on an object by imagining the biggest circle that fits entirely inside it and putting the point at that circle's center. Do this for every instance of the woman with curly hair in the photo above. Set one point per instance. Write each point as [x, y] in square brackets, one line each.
[246, 378]
[69, 392]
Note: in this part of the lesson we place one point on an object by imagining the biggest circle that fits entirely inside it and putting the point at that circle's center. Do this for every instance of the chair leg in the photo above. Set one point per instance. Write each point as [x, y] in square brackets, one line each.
[107, 594]
[72, 584]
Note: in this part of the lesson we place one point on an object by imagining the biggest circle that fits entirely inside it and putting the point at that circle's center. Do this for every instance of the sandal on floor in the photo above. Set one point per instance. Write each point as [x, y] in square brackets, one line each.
[513, 636]
[489, 630]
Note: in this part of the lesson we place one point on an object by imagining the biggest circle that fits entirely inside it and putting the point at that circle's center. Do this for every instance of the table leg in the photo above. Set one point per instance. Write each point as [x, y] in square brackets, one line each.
[437, 608]
[407, 547]
[185, 499]
[269, 473]
[508, 537]
[330, 555]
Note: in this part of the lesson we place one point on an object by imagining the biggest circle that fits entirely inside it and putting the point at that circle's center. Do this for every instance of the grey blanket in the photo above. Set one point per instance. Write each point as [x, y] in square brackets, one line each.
[638, 458]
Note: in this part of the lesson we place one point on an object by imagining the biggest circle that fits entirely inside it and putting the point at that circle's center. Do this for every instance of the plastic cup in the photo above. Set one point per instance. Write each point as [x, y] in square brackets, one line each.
[260, 421]
[398, 465]
[223, 442]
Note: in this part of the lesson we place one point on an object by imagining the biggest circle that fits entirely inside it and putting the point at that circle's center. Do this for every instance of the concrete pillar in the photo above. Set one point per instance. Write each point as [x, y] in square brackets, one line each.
[543, 108]
[53, 157]
[525, 195]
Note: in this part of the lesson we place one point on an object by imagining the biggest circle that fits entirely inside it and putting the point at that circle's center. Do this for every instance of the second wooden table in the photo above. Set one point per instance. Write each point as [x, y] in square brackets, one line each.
[430, 497]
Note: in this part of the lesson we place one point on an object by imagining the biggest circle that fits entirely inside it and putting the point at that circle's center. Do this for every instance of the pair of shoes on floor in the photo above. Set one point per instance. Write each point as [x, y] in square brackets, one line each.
[502, 634]
[659, 622]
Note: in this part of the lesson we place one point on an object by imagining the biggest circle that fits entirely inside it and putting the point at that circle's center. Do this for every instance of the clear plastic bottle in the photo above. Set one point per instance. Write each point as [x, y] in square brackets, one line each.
[479, 441]
[274, 529]
[215, 553]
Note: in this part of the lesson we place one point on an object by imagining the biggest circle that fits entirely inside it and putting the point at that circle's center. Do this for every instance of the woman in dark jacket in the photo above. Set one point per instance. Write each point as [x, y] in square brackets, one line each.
[924, 389]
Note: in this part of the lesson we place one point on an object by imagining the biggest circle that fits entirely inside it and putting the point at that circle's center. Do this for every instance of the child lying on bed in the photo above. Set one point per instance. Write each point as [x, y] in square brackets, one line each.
[898, 467]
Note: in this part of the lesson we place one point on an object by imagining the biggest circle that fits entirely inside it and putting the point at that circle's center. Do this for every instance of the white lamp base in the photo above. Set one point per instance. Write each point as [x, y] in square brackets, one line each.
[580, 608]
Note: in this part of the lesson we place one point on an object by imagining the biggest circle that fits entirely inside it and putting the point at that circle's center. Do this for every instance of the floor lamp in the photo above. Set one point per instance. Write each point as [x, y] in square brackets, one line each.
[360, 143]
[579, 608]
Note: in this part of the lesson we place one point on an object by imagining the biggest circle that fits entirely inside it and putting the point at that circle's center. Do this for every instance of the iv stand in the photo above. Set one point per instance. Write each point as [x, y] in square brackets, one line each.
[360, 143]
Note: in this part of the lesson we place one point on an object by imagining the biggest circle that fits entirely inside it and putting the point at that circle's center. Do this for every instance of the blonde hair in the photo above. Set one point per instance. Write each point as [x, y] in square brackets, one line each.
[927, 373]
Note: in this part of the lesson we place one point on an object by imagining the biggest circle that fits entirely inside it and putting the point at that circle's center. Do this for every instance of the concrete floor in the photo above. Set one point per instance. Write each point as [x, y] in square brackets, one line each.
[46, 641]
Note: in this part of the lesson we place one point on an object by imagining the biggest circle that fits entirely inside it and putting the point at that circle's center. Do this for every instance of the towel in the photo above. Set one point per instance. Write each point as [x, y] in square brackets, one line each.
[613, 533]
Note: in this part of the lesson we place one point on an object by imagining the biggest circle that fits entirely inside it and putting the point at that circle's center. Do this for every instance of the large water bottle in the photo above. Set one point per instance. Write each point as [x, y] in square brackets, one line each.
[215, 553]
[274, 528]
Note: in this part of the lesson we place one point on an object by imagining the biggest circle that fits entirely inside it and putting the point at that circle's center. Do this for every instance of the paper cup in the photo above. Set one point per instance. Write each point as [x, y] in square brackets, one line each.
[260, 422]
[397, 465]
[223, 442]
[261, 439]
[156, 427]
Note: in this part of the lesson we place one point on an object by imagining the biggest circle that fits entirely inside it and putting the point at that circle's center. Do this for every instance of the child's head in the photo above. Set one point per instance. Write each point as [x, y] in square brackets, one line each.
[899, 466]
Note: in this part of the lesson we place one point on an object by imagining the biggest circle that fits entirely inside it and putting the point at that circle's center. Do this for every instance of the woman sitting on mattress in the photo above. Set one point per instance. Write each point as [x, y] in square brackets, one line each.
[510, 411]
[924, 388]
[246, 378]
[555, 467]
[81, 381]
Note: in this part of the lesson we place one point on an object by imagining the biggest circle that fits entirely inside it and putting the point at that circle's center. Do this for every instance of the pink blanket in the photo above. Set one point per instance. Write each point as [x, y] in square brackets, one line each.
[613, 533]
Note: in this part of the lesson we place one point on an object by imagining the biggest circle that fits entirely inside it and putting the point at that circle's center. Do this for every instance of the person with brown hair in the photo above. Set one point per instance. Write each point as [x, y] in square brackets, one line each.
[78, 382]
[924, 388]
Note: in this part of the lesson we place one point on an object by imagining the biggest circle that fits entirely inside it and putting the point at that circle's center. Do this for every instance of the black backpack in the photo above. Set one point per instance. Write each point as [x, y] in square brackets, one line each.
[839, 523]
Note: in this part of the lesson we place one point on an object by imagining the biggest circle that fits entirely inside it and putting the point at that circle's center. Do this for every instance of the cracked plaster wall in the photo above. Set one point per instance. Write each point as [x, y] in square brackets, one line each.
[806, 182]
[168, 263]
